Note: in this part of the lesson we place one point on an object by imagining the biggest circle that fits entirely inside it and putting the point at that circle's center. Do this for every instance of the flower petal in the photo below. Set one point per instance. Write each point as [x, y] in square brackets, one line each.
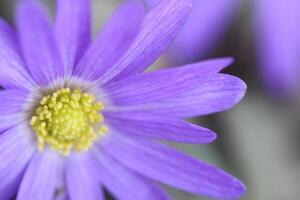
[277, 28]
[73, 30]
[37, 42]
[123, 183]
[42, 177]
[162, 84]
[16, 149]
[81, 182]
[173, 168]
[217, 94]
[12, 101]
[159, 127]
[160, 27]
[11, 107]
[112, 42]
[12, 71]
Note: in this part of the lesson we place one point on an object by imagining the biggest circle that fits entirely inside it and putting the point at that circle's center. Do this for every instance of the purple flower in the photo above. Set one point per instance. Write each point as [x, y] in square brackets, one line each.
[278, 41]
[77, 117]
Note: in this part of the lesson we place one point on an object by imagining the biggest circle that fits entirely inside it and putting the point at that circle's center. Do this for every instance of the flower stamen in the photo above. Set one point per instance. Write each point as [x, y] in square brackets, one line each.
[68, 119]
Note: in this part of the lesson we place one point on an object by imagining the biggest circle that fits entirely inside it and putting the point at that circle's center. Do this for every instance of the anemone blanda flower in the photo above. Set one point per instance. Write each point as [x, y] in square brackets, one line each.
[77, 117]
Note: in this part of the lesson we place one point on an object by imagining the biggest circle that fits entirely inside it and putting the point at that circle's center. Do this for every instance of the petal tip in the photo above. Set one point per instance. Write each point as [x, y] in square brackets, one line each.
[229, 60]
[239, 189]
[243, 88]
[211, 136]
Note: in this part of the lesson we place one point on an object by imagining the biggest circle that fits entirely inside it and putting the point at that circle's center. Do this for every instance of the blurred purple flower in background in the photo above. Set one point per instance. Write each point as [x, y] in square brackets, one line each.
[77, 115]
[277, 38]
[278, 44]
[207, 23]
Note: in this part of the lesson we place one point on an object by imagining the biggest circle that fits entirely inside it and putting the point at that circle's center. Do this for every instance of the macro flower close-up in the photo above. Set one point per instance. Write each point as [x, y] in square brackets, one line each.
[80, 115]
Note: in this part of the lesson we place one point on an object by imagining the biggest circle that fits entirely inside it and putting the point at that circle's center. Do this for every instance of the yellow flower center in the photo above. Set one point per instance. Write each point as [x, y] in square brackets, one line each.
[68, 119]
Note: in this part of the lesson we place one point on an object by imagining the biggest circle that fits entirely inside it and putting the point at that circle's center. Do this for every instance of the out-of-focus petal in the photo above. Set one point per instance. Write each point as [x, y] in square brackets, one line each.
[158, 30]
[42, 177]
[112, 42]
[219, 93]
[12, 69]
[73, 30]
[162, 84]
[123, 183]
[277, 28]
[159, 127]
[16, 149]
[12, 103]
[173, 168]
[206, 25]
[81, 182]
[37, 42]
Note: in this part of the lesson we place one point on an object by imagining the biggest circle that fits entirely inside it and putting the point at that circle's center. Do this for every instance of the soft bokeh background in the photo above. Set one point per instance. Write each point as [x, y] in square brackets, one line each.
[259, 138]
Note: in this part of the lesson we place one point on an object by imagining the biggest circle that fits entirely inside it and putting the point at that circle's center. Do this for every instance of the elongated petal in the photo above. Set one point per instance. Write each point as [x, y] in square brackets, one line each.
[162, 84]
[73, 30]
[123, 183]
[12, 69]
[207, 24]
[173, 168]
[112, 42]
[12, 104]
[81, 182]
[16, 148]
[37, 42]
[42, 177]
[160, 27]
[12, 101]
[217, 94]
[159, 127]
[277, 28]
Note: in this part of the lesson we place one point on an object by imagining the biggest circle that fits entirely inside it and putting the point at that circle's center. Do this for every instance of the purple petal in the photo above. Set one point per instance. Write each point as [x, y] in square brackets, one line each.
[159, 127]
[11, 107]
[81, 182]
[16, 149]
[160, 27]
[42, 177]
[203, 30]
[12, 101]
[123, 183]
[217, 94]
[162, 84]
[73, 30]
[173, 168]
[12, 71]
[277, 27]
[112, 42]
[37, 42]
